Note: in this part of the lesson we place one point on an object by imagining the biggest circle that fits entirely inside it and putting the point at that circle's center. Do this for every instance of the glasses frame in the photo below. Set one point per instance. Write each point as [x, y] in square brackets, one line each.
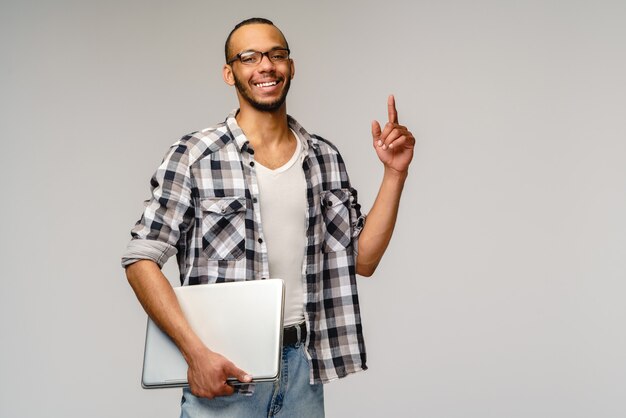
[266, 53]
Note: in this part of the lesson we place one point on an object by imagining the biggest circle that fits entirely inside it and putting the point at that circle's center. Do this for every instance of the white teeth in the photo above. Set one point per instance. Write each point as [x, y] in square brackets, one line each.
[271, 83]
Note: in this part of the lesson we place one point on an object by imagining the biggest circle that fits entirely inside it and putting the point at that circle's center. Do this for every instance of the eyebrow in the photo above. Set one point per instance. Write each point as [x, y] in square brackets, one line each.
[256, 50]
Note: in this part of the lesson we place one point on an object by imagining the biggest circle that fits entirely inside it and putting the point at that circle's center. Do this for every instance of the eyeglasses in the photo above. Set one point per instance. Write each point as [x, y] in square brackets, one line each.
[255, 57]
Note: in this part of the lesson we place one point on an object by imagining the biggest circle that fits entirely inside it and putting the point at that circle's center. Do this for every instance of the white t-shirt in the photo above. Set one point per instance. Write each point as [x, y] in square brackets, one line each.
[282, 198]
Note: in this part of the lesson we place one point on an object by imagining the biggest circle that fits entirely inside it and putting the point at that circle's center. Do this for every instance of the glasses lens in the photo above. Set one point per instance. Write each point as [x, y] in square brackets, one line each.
[250, 57]
[279, 55]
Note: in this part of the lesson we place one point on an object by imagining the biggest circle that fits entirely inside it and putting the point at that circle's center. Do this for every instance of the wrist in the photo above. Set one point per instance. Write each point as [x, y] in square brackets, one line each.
[395, 175]
[194, 351]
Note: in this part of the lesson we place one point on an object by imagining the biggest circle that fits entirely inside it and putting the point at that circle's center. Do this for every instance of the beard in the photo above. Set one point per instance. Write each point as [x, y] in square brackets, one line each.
[244, 91]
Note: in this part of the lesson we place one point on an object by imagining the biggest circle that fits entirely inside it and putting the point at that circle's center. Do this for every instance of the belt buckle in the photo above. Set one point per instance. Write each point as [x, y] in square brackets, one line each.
[298, 332]
[288, 333]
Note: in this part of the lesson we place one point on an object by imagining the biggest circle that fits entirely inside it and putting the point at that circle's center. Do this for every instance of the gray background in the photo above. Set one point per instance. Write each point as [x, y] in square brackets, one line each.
[502, 293]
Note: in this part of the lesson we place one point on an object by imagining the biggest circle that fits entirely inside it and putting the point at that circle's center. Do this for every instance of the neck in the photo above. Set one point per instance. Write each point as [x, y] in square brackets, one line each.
[263, 128]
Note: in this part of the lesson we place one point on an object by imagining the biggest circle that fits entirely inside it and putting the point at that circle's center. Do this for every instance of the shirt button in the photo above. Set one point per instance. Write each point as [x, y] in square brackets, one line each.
[329, 203]
[254, 199]
[260, 240]
[251, 163]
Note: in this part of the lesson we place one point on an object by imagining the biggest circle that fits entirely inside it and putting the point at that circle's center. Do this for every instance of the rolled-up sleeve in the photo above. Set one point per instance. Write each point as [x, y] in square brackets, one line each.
[357, 219]
[167, 215]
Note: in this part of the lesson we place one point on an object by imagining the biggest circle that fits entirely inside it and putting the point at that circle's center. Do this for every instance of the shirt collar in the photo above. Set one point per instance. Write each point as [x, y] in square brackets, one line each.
[242, 142]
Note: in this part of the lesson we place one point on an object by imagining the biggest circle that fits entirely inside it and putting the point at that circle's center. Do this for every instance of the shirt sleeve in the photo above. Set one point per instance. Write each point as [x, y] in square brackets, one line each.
[357, 219]
[168, 213]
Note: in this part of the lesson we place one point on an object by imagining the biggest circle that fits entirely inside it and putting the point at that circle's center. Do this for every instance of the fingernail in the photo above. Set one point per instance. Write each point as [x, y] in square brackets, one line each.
[380, 143]
[390, 145]
[384, 146]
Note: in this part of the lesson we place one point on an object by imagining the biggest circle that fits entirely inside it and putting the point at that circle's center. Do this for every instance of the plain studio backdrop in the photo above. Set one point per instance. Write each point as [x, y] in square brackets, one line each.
[502, 292]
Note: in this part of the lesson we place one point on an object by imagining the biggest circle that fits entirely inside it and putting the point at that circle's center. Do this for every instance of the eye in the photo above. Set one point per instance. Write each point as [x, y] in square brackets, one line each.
[279, 55]
[248, 57]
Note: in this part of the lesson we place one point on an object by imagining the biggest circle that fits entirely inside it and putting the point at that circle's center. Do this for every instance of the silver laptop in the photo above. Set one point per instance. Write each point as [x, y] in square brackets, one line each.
[243, 321]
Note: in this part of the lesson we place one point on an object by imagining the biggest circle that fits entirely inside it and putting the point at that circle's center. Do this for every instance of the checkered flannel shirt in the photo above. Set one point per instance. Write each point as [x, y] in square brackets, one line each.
[205, 209]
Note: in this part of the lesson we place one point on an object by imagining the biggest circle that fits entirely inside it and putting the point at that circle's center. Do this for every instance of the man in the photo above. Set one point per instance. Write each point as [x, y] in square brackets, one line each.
[230, 201]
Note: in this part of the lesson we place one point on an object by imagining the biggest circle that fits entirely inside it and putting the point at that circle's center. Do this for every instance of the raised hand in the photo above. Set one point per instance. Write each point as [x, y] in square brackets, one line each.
[394, 144]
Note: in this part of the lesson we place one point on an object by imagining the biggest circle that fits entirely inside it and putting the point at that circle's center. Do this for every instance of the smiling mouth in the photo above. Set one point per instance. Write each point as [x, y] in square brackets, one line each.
[266, 84]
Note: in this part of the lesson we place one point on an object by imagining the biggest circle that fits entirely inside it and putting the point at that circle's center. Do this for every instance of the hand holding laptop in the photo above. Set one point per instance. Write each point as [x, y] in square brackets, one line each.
[208, 372]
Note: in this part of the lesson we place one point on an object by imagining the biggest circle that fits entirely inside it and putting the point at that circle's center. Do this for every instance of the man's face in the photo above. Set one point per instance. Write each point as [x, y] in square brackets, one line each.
[262, 86]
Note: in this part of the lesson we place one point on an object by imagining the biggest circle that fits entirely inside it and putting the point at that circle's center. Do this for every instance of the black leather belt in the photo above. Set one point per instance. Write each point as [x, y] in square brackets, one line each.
[294, 334]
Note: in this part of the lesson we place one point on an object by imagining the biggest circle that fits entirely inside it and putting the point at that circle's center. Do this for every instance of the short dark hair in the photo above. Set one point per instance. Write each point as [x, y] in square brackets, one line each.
[250, 21]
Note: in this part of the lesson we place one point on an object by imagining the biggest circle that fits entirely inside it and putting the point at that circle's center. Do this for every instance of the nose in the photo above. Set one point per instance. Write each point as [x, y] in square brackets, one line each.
[266, 64]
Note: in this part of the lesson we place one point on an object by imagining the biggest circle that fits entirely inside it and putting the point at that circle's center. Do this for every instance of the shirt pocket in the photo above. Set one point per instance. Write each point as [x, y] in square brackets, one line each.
[223, 227]
[336, 214]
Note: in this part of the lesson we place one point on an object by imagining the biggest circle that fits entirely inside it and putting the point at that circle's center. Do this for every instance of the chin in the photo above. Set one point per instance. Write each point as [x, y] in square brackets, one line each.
[268, 107]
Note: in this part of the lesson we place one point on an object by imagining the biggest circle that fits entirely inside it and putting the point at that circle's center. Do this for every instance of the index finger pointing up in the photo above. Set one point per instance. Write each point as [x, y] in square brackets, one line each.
[391, 109]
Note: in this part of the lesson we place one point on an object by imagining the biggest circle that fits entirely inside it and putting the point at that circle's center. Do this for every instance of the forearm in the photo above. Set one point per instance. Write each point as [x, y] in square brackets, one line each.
[159, 301]
[380, 223]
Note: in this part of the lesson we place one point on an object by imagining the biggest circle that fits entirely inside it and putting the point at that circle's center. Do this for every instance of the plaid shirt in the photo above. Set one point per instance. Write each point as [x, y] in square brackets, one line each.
[205, 208]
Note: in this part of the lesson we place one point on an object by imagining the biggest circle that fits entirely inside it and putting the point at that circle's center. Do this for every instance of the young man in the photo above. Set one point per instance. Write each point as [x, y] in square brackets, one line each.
[258, 197]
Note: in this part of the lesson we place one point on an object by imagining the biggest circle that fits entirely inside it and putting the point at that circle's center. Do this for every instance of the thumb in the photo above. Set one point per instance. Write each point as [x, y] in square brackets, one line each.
[376, 131]
[239, 374]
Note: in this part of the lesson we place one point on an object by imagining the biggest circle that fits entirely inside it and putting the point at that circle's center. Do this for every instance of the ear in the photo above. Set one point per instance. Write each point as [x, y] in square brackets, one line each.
[293, 68]
[227, 73]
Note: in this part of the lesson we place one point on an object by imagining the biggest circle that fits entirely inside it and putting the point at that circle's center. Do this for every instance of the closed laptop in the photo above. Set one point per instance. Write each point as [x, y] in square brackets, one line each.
[243, 321]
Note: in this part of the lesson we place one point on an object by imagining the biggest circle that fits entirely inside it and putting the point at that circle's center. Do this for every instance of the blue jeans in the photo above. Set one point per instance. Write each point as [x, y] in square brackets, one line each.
[290, 396]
